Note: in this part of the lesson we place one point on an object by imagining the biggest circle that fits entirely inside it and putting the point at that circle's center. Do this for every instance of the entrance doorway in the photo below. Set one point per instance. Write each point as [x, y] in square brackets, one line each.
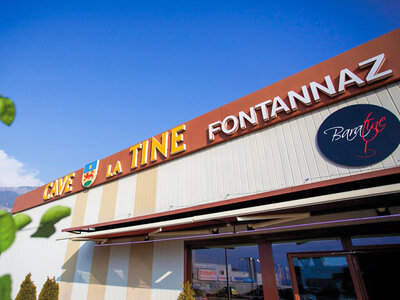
[378, 269]
[358, 275]
[326, 276]
[342, 268]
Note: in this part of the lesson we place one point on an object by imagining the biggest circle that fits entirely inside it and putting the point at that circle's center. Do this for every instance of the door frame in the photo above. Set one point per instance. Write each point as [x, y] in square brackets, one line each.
[351, 262]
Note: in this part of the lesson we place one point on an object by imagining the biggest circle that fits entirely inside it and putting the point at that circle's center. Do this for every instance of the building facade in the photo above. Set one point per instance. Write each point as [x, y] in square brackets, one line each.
[290, 192]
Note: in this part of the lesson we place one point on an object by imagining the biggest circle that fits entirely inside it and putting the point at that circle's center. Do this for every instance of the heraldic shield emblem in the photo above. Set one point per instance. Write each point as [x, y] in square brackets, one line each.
[90, 173]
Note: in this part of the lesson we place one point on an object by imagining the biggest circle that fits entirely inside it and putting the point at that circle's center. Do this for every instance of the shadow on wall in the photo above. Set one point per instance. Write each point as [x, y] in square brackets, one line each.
[139, 267]
[124, 266]
[78, 267]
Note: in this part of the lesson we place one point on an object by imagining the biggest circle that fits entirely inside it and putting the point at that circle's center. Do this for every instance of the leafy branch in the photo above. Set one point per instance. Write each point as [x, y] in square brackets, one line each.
[9, 225]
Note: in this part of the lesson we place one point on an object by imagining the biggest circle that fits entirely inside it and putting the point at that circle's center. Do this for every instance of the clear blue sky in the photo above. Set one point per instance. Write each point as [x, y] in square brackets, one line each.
[90, 78]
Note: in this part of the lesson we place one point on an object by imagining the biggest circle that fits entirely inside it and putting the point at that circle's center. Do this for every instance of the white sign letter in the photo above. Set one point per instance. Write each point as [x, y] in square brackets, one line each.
[376, 63]
[212, 128]
[328, 90]
[293, 96]
[235, 125]
[263, 107]
[354, 79]
[252, 118]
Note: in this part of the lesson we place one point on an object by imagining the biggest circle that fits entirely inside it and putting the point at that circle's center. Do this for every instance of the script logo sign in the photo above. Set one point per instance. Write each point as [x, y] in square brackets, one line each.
[359, 135]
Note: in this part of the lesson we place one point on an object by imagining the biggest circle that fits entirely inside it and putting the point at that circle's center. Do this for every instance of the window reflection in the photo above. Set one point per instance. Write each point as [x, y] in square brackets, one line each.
[208, 271]
[375, 240]
[324, 278]
[281, 264]
[227, 273]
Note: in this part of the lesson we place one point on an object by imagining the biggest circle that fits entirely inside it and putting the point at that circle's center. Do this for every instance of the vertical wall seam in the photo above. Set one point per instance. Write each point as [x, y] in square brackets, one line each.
[141, 255]
[140, 271]
[108, 201]
[146, 190]
[101, 255]
[71, 254]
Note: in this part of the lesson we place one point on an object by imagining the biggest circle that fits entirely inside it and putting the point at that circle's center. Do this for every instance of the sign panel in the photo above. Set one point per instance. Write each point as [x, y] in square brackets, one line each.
[208, 275]
[359, 135]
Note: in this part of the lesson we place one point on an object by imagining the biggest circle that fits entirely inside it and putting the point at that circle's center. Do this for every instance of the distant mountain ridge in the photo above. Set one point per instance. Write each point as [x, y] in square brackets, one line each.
[8, 195]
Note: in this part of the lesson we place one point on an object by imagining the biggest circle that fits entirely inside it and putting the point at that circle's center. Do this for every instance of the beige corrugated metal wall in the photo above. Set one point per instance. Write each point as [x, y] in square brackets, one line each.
[280, 156]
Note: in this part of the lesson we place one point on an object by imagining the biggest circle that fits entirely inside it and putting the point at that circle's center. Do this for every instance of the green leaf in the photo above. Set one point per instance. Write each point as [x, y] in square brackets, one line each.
[49, 218]
[21, 220]
[7, 230]
[45, 231]
[7, 110]
[5, 287]
[55, 214]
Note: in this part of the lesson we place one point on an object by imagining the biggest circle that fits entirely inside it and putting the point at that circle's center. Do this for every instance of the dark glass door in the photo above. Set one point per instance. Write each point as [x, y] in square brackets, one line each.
[379, 271]
[322, 277]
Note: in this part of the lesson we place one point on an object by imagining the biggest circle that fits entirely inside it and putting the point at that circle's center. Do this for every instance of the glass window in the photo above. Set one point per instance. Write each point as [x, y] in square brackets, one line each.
[281, 263]
[375, 240]
[208, 271]
[323, 278]
[227, 273]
